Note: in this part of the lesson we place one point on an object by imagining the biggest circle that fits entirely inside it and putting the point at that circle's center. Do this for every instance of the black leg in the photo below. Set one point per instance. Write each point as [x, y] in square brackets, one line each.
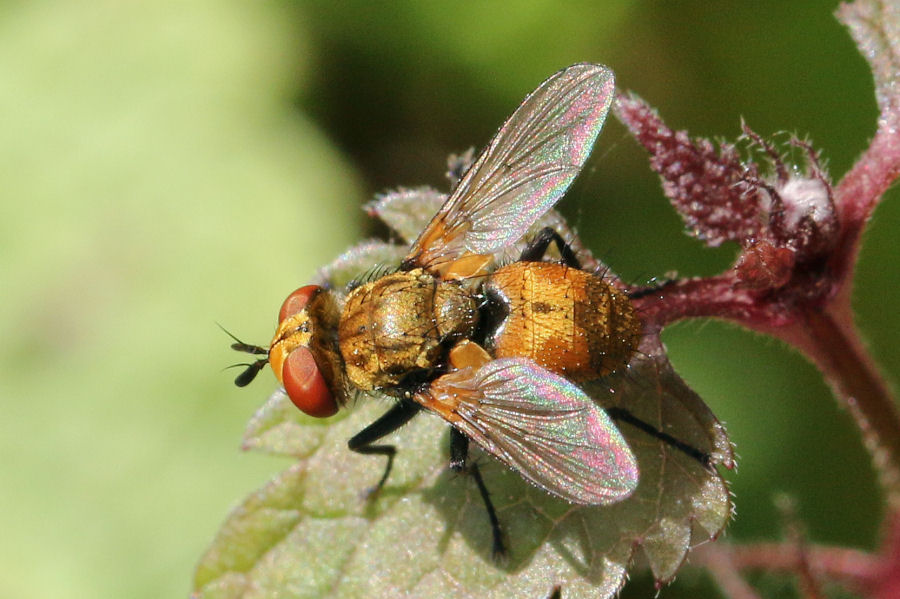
[625, 416]
[459, 453]
[650, 289]
[393, 419]
[535, 250]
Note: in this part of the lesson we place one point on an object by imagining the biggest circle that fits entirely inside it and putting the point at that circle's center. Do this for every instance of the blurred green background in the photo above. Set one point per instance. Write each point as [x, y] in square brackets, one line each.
[166, 166]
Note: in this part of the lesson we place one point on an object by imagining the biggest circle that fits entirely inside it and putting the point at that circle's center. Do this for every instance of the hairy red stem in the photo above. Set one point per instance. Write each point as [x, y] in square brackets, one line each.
[857, 569]
[829, 338]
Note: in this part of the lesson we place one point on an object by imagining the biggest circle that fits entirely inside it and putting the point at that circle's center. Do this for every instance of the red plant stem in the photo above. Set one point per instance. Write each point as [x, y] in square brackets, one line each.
[859, 192]
[825, 333]
[722, 567]
[690, 298]
[850, 566]
[887, 584]
[829, 338]
[808, 578]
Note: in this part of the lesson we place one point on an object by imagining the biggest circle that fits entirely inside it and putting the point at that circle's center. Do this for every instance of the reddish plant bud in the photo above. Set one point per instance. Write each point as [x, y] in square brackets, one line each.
[708, 186]
[764, 266]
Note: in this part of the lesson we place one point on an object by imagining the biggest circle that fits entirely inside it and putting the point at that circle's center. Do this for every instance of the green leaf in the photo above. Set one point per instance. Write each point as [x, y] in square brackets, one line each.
[313, 532]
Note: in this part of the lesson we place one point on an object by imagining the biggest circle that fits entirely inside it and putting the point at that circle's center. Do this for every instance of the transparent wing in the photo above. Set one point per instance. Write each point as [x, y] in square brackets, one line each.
[407, 211]
[525, 169]
[541, 425]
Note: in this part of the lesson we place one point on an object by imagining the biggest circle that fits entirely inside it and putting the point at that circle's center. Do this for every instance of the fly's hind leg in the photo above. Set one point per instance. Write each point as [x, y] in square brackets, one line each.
[535, 250]
[459, 454]
[623, 415]
[651, 289]
[362, 442]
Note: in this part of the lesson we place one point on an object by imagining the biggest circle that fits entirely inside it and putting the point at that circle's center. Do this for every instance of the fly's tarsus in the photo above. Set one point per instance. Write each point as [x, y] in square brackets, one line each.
[650, 289]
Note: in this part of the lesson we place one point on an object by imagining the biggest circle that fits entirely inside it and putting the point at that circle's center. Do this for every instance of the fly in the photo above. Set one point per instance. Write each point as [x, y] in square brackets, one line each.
[497, 352]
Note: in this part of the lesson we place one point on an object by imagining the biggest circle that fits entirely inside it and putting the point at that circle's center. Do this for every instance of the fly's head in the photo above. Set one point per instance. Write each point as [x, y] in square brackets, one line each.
[300, 353]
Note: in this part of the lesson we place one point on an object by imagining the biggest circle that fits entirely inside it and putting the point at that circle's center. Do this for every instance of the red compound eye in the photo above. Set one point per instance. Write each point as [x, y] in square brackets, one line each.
[305, 385]
[297, 301]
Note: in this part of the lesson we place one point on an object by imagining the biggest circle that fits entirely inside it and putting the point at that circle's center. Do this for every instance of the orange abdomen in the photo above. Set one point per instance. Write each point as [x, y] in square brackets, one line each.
[565, 319]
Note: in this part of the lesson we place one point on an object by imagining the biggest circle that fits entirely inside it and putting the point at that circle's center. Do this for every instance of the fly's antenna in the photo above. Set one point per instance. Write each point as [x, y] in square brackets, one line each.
[240, 346]
[250, 372]
[252, 368]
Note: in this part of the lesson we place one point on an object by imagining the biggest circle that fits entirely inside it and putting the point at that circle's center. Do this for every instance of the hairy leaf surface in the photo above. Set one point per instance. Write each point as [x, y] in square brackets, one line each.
[312, 532]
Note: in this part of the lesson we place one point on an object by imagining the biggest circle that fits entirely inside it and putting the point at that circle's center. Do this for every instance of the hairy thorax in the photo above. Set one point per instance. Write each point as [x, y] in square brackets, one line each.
[401, 324]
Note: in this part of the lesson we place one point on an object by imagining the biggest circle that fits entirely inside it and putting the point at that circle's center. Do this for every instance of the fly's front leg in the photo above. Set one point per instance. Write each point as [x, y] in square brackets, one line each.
[459, 454]
[362, 442]
[535, 250]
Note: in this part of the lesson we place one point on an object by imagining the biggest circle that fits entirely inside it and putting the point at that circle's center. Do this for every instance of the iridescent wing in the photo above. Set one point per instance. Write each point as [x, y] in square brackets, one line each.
[540, 425]
[524, 171]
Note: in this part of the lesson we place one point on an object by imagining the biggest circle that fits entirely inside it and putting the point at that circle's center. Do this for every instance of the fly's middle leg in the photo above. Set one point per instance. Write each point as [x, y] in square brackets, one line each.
[535, 250]
[459, 455]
